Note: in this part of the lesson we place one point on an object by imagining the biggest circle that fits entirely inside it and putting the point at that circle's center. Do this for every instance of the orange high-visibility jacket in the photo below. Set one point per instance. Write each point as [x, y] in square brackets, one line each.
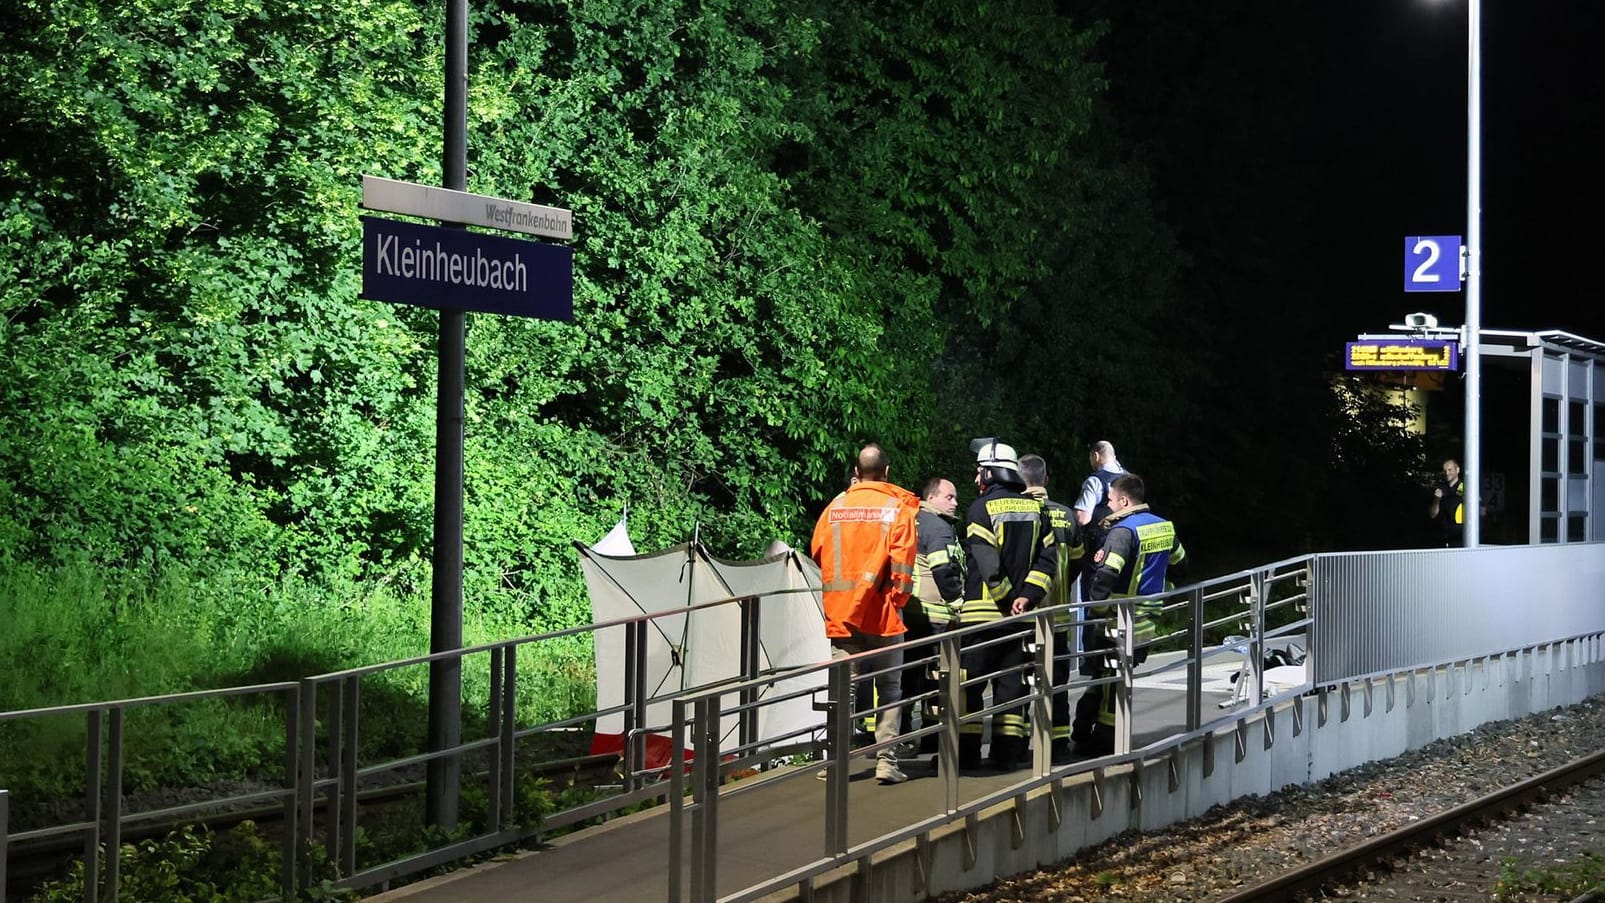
[865, 545]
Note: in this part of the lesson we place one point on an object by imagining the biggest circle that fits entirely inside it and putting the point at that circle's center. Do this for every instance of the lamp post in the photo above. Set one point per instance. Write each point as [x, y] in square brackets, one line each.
[1473, 462]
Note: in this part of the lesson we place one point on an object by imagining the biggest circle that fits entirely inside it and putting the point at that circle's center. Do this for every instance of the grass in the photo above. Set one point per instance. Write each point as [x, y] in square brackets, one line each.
[79, 634]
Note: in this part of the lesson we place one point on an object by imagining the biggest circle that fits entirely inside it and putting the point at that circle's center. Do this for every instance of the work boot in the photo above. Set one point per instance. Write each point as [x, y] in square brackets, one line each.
[969, 751]
[887, 772]
[1100, 741]
[1062, 753]
[1005, 753]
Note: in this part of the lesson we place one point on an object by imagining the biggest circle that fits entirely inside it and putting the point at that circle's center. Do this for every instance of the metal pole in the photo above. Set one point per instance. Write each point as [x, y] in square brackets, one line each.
[1473, 469]
[446, 588]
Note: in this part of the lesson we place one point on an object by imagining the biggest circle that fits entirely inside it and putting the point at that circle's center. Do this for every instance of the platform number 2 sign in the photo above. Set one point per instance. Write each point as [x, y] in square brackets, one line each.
[1432, 263]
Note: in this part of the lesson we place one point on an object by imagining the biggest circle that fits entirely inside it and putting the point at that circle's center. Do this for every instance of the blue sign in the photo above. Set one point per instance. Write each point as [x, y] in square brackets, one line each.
[1432, 263]
[454, 269]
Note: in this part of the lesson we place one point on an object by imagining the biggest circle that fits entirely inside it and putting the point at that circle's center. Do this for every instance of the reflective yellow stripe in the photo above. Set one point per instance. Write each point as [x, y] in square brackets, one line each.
[979, 611]
[1115, 561]
[937, 558]
[836, 551]
[1004, 590]
[976, 531]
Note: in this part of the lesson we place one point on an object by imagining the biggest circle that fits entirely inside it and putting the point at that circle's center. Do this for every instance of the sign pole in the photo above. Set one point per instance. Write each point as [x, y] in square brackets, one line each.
[1473, 462]
[443, 775]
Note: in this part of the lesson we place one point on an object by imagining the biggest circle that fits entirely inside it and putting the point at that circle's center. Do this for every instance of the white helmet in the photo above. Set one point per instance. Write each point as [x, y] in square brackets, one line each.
[992, 453]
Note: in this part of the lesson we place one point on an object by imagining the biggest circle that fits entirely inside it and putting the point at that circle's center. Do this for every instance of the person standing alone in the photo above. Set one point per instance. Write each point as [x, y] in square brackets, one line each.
[1449, 505]
[865, 545]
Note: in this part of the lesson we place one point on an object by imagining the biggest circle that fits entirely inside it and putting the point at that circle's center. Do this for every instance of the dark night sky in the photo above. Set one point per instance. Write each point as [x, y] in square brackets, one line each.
[1392, 158]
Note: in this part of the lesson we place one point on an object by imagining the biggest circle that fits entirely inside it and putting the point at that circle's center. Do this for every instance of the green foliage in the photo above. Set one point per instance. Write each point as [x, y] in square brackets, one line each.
[1374, 486]
[190, 865]
[1564, 880]
[781, 210]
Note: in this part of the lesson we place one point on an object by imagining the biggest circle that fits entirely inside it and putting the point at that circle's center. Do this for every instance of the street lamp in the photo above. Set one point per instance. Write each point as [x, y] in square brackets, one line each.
[1473, 462]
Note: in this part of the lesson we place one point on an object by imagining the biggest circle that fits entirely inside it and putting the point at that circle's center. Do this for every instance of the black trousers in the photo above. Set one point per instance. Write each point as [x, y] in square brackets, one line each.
[1004, 660]
[917, 678]
[1095, 711]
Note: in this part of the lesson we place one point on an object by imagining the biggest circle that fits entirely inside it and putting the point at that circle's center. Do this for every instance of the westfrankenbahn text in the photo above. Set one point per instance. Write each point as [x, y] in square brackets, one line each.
[508, 216]
[438, 264]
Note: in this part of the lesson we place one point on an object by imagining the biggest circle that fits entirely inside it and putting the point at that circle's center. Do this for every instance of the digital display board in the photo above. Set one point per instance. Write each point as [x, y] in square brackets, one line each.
[1402, 354]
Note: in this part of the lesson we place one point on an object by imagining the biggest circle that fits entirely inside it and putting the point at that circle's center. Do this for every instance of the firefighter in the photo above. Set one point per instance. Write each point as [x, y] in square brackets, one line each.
[1140, 552]
[1067, 540]
[938, 592]
[1009, 565]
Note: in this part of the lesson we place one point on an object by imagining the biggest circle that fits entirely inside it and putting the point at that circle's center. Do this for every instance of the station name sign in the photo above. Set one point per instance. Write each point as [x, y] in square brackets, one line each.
[445, 268]
[1402, 354]
[447, 206]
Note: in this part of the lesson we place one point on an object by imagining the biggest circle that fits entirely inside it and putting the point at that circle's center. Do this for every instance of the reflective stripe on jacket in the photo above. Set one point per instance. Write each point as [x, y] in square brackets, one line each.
[939, 567]
[864, 543]
[1009, 552]
[1136, 555]
[1067, 558]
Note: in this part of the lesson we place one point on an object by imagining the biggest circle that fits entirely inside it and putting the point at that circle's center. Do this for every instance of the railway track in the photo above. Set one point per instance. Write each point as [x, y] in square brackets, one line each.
[1312, 880]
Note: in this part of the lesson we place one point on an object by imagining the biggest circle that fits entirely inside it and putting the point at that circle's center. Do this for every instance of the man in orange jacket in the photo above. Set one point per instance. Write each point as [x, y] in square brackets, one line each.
[865, 545]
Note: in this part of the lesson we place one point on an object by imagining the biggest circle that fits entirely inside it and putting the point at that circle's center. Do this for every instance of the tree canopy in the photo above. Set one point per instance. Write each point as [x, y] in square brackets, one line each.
[798, 227]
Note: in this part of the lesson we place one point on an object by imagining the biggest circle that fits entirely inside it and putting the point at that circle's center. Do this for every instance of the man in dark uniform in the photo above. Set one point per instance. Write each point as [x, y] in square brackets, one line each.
[1449, 505]
[1139, 551]
[938, 593]
[1067, 540]
[1009, 564]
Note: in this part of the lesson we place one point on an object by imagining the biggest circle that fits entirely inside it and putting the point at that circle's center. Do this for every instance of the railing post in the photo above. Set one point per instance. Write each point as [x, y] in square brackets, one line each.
[1256, 602]
[307, 775]
[292, 790]
[1195, 659]
[5, 822]
[1312, 594]
[751, 664]
[348, 778]
[92, 805]
[335, 734]
[1125, 613]
[1040, 680]
[677, 802]
[493, 722]
[505, 749]
[950, 696]
[838, 748]
[114, 803]
[635, 634]
[705, 794]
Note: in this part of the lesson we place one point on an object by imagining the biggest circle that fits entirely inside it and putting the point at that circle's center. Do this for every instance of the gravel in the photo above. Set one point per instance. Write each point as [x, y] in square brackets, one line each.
[1256, 838]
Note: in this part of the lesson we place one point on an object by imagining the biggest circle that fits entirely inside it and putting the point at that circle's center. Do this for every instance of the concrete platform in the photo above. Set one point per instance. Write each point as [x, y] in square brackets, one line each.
[768, 825]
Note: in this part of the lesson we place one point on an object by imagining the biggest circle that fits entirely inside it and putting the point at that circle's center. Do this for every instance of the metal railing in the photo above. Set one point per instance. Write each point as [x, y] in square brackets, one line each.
[105, 757]
[1350, 608]
[325, 778]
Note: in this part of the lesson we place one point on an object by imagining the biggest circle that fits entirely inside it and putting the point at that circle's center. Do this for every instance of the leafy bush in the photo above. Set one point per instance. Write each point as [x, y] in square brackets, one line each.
[190, 865]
